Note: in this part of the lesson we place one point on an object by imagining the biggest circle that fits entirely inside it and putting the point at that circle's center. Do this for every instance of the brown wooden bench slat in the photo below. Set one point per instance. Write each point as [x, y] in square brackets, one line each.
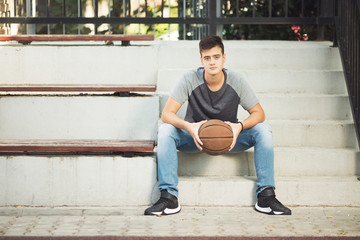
[61, 145]
[76, 88]
[30, 38]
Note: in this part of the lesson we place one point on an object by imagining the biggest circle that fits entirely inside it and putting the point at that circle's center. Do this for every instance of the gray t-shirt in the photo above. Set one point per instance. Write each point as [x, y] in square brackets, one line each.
[204, 104]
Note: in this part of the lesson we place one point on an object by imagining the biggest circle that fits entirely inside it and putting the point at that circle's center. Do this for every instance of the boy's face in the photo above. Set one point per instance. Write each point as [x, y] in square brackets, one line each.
[212, 60]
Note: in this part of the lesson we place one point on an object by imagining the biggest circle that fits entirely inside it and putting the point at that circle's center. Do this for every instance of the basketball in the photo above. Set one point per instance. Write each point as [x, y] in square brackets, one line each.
[216, 136]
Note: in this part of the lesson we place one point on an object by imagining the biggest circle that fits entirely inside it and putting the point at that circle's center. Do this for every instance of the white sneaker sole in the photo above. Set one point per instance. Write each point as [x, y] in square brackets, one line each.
[168, 211]
[267, 210]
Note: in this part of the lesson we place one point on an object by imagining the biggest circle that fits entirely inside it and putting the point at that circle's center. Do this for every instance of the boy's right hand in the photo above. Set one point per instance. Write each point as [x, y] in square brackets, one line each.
[193, 129]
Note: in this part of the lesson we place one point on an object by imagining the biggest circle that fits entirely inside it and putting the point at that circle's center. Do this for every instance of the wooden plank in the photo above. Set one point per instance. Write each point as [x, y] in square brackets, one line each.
[116, 37]
[76, 88]
[66, 145]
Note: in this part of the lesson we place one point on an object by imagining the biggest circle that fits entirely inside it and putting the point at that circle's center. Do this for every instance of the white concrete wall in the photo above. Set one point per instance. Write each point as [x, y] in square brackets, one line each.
[78, 64]
[80, 117]
[77, 180]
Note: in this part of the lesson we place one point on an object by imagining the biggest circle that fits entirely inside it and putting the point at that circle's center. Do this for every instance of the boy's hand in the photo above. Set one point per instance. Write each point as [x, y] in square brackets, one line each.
[237, 129]
[193, 129]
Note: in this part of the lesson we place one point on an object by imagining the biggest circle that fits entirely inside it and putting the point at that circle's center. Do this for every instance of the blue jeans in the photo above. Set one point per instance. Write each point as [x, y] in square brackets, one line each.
[171, 139]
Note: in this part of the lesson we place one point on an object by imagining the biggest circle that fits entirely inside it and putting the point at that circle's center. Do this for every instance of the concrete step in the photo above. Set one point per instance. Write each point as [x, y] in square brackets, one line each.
[325, 134]
[272, 81]
[289, 162]
[118, 181]
[83, 64]
[81, 117]
[294, 107]
[253, 54]
[99, 64]
[305, 106]
[296, 191]
[76, 180]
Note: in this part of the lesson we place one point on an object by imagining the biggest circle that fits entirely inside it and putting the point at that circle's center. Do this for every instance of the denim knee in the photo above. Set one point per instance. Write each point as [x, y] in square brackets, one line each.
[263, 132]
[165, 130]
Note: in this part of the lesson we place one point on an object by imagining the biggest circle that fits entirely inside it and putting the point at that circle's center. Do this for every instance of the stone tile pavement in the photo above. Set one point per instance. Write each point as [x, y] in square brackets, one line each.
[222, 222]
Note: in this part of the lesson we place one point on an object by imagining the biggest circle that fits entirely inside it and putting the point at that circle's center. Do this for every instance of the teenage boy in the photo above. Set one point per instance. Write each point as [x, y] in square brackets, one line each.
[213, 92]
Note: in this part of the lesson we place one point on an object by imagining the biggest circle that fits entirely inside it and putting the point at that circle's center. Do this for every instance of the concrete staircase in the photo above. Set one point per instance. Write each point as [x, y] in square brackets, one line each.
[299, 84]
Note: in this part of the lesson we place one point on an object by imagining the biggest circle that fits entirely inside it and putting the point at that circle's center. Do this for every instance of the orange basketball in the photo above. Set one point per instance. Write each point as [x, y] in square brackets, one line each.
[216, 136]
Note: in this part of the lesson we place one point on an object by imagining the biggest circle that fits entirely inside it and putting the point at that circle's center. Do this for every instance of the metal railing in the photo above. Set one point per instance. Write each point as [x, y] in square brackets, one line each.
[347, 24]
[192, 18]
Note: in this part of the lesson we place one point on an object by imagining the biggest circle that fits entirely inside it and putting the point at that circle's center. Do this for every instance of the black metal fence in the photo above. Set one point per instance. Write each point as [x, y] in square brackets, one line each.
[192, 19]
[347, 22]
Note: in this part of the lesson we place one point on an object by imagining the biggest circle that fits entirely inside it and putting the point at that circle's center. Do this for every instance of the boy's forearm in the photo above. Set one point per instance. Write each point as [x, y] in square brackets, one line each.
[173, 119]
[253, 119]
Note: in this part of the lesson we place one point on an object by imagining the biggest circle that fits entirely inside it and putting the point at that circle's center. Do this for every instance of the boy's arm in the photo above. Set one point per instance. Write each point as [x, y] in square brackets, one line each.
[169, 116]
[257, 115]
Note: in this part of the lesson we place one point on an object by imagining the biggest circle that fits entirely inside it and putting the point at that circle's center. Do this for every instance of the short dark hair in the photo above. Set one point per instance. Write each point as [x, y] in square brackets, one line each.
[210, 42]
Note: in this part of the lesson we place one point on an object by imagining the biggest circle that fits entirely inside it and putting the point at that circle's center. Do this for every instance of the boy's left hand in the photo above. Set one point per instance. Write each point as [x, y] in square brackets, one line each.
[236, 128]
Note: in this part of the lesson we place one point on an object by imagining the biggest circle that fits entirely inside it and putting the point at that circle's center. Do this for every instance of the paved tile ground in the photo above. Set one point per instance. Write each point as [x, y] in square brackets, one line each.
[191, 221]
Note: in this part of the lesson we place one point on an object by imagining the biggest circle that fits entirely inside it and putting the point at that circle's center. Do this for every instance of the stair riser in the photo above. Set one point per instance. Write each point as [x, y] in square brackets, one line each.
[252, 55]
[76, 181]
[288, 162]
[241, 192]
[303, 134]
[271, 81]
[294, 107]
[79, 117]
[78, 65]
[104, 64]
[118, 181]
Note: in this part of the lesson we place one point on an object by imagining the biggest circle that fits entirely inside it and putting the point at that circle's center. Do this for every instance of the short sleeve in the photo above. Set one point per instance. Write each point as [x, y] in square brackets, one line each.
[247, 96]
[180, 92]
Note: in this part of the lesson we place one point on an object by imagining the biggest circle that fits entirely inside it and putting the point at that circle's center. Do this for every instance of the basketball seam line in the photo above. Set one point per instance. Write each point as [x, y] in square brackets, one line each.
[227, 127]
[214, 137]
[216, 150]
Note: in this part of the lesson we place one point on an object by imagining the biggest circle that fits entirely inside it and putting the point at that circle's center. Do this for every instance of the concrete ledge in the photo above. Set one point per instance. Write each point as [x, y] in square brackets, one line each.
[76, 180]
[119, 181]
[78, 64]
[272, 81]
[252, 54]
[298, 191]
[294, 107]
[81, 117]
[289, 162]
[322, 134]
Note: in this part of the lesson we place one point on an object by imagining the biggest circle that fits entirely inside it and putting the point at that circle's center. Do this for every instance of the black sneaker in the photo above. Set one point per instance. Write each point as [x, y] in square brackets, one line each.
[166, 205]
[267, 203]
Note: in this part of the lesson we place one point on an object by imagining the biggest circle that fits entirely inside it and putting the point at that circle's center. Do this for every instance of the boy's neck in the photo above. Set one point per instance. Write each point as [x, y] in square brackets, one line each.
[215, 82]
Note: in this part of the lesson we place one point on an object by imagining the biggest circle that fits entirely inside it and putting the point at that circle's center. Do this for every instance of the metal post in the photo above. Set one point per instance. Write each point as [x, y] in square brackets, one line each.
[48, 15]
[169, 16]
[109, 7]
[184, 15]
[30, 12]
[124, 15]
[79, 14]
[212, 16]
[96, 14]
[154, 13]
[64, 15]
